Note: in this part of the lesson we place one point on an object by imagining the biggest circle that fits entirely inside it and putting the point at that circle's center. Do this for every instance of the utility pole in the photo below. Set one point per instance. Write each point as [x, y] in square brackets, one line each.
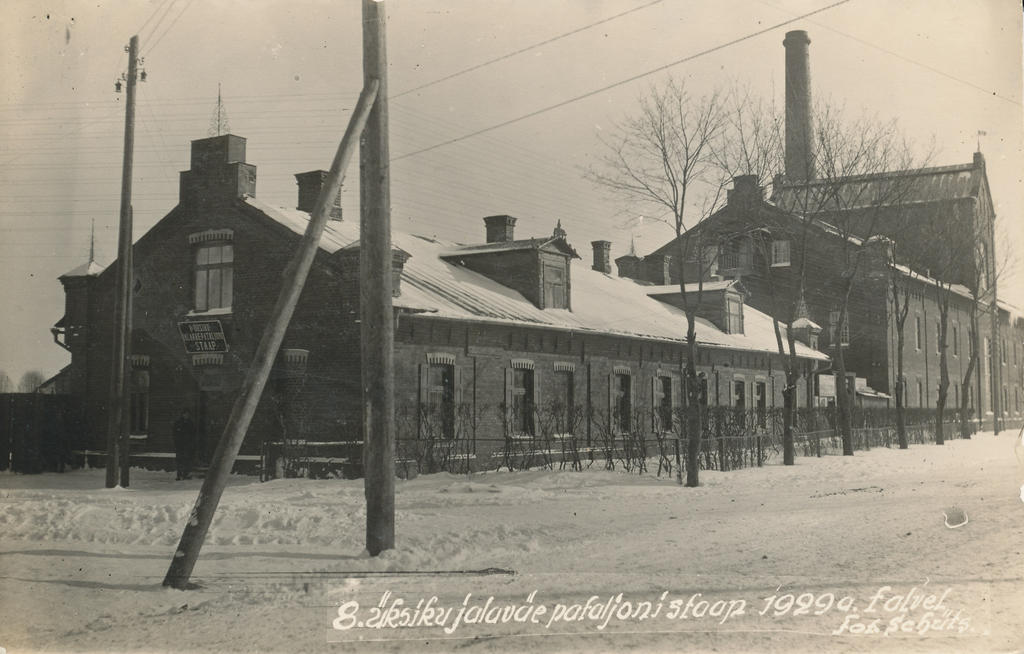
[377, 326]
[118, 427]
[244, 408]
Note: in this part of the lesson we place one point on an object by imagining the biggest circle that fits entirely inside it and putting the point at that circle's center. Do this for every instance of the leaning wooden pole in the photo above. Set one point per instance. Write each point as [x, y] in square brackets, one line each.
[377, 326]
[252, 388]
[117, 407]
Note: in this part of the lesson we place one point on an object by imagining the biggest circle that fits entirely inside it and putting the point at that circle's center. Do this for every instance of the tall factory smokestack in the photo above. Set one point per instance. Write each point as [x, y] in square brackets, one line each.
[799, 123]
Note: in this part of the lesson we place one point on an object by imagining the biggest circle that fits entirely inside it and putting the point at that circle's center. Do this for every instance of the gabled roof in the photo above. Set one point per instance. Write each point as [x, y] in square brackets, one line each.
[921, 185]
[710, 286]
[557, 243]
[601, 303]
[88, 269]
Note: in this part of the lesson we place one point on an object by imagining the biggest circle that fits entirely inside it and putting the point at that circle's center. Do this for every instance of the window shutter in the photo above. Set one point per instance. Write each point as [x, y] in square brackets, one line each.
[632, 403]
[611, 401]
[654, 403]
[509, 380]
[422, 399]
[536, 400]
[457, 381]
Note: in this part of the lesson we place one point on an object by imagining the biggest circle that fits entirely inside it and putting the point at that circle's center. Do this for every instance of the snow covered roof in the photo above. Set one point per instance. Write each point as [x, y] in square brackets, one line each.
[89, 269]
[805, 323]
[601, 303]
[940, 183]
[557, 242]
[712, 285]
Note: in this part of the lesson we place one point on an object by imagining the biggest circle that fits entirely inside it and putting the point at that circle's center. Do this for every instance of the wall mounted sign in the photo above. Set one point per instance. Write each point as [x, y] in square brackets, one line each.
[202, 336]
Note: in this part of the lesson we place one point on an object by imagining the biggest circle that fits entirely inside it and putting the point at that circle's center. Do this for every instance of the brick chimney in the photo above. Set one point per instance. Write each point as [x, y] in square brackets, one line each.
[310, 185]
[745, 192]
[348, 257]
[500, 228]
[659, 268]
[799, 121]
[602, 256]
[219, 174]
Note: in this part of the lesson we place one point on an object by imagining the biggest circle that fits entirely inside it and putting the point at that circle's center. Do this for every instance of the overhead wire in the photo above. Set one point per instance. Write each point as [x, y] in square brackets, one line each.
[937, 71]
[522, 50]
[619, 83]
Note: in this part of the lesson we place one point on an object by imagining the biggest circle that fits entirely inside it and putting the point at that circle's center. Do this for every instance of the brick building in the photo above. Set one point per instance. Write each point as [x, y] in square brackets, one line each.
[487, 334]
[935, 223]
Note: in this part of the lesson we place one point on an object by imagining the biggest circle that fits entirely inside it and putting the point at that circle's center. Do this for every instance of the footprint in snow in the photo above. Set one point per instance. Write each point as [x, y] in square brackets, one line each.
[954, 517]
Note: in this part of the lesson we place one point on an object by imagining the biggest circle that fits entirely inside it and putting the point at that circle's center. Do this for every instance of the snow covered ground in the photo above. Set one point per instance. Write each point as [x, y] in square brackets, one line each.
[812, 557]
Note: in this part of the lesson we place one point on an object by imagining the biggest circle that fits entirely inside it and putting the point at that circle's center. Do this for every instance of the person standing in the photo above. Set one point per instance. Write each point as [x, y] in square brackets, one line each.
[184, 441]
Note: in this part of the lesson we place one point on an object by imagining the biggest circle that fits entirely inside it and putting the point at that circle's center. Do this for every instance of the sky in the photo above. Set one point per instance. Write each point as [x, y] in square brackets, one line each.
[290, 72]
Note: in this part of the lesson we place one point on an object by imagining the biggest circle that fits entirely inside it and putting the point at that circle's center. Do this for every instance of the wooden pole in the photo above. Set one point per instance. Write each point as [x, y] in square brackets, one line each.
[377, 326]
[117, 414]
[245, 404]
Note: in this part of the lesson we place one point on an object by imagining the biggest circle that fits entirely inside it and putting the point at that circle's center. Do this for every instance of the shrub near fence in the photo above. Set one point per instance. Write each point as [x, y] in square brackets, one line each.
[429, 441]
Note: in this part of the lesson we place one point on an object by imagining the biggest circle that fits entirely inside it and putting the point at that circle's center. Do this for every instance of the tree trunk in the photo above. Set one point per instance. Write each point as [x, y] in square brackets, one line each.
[693, 426]
[788, 412]
[901, 412]
[843, 401]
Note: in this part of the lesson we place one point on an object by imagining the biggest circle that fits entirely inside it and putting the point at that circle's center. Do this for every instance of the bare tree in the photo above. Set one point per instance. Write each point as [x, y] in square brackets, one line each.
[661, 156]
[30, 381]
[6, 385]
[754, 145]
[900, 298]
[863, 170]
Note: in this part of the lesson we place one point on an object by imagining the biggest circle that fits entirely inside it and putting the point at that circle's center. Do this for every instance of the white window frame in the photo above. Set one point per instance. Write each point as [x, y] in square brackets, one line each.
[781, 256]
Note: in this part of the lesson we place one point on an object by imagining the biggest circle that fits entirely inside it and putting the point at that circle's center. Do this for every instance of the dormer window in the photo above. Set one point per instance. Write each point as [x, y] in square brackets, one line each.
[733, 315]
[554, 287]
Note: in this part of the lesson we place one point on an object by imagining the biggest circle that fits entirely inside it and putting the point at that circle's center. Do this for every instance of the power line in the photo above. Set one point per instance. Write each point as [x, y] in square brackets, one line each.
[937, 71]
[522, 50]
[619, 83]
[151, 16]
[169, 27]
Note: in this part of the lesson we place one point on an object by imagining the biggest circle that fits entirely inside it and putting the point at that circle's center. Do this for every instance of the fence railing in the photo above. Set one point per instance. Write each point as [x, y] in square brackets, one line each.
[430, 440]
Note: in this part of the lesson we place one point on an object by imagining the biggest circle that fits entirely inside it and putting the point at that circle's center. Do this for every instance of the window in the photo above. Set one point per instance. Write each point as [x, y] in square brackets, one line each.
[734, 315]
[1003, 353]
[662, 403]
[735, 256]
[138, 405]
[710, 261]
[554, 287]
[920, 394]
[956, 341]
[622, 402]
[440, 396]
[970, 343]
[843, 337]
[213, 276]
[780, 253]
[956, 395]
[938, 337]
[522, 401]
[564, 402]
[917, 332]
[740, 401]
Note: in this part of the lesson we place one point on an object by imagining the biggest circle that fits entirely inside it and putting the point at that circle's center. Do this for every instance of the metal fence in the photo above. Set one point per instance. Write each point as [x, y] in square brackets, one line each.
[563, 439]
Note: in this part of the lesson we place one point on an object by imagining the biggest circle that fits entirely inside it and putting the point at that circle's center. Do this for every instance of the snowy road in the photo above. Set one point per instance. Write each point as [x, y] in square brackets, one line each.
[809, 558]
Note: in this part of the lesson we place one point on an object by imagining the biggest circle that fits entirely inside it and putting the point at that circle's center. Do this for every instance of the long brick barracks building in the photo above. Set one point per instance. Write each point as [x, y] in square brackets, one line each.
[487, 333]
